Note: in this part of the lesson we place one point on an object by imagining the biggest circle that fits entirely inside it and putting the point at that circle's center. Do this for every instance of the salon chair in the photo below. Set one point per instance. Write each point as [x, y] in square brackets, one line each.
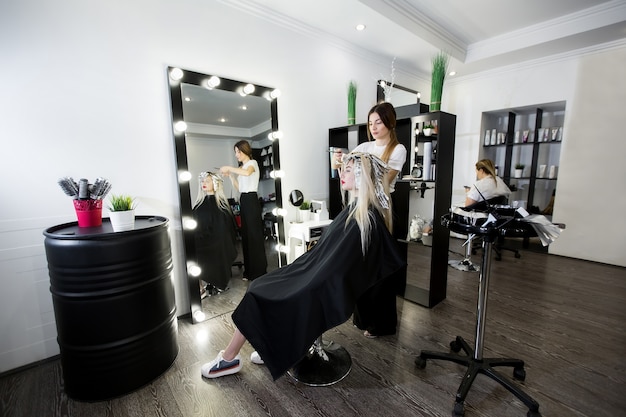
[498, 246]
[471, 245]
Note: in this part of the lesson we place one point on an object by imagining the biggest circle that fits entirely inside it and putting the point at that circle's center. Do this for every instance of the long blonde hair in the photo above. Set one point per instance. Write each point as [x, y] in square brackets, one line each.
[218, 190]
[486, 166]
[369, 192]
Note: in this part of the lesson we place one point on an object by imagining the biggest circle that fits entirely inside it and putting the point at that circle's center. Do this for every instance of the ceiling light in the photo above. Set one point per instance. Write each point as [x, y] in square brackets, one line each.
[187, 99]
[244, 107]
[452, 73]
[360, 27]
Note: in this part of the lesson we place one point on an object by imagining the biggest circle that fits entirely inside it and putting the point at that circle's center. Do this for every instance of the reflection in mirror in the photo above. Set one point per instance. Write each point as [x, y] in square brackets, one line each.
[296, 198]
[209, 115]
[396, 94]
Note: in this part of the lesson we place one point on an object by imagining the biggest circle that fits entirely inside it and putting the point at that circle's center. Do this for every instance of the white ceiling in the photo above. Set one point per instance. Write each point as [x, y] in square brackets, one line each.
[478, 34]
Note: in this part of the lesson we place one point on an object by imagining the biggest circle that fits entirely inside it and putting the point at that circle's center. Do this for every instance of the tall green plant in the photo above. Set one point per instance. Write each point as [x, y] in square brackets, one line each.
[440, 67]
[352, 102]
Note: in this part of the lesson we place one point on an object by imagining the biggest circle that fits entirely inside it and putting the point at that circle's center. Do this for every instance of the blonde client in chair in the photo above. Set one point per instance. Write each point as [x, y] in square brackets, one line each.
[488, 184]
[286, 310]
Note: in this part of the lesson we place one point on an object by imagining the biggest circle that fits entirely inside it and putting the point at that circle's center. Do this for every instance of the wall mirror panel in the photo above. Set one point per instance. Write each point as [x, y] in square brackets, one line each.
[209, 115]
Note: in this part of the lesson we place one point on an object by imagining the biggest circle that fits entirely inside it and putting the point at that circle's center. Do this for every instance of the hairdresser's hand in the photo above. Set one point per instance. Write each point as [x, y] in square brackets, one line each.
[225, 170]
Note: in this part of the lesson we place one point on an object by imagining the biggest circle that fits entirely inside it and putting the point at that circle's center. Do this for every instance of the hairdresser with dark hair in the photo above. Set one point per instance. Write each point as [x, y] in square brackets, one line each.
[252, 237]
[375, 312]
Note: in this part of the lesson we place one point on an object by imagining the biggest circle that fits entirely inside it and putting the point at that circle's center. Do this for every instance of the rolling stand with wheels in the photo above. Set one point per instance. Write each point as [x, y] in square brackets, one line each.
[473, 358]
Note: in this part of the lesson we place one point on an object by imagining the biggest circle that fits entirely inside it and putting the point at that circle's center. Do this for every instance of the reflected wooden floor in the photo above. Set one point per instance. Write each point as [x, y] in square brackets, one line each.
[565, 318]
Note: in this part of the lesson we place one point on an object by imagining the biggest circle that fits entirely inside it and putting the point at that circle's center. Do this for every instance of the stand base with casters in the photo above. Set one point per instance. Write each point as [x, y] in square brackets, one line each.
[326, 363]
[466, 264]
[473, 358]
[483, 366]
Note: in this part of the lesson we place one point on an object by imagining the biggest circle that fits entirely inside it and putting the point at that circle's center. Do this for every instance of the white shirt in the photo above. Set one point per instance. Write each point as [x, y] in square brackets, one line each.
[250, 183]
[488, 188]
[396, 160]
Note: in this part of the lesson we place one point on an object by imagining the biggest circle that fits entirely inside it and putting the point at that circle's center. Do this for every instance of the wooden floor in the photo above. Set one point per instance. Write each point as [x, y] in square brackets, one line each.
[565, 318]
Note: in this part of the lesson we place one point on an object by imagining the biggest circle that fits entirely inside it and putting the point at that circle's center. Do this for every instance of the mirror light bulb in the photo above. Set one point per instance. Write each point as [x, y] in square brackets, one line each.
[213, 82]
[190, 224]
[277, 174]
[279, 212]
[248, 89]
[275, 135]
[176, 74]
[180, 126]
[282, 248]
[199, 316]
[184, 176]
[275, 94]
[194, 270]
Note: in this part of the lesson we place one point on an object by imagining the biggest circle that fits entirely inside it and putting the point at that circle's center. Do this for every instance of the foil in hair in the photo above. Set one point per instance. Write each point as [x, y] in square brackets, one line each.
[378, 167]
[217, 180]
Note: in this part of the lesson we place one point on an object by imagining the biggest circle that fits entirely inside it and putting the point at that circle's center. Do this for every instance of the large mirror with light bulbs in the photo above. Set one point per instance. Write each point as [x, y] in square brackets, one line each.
[209, 115]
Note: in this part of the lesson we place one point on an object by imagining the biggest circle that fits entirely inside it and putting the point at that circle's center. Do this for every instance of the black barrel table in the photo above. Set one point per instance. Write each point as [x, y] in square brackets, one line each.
[114, 305]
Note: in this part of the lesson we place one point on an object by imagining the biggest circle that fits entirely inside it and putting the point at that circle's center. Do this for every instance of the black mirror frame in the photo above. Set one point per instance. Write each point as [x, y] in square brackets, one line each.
[180, 149]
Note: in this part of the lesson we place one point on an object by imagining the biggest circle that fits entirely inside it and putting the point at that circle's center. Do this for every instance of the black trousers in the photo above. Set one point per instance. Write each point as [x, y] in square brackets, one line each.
[252, 236]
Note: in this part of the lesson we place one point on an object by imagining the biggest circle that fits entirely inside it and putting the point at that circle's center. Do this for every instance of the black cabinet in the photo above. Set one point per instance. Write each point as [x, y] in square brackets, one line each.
[525, 145]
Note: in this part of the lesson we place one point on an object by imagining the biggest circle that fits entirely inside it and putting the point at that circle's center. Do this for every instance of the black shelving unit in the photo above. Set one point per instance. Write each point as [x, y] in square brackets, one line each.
[530, 136]
[443, 142]
[264, 157]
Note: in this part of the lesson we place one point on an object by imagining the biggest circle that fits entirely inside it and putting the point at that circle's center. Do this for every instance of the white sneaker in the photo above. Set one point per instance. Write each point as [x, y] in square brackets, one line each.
[220, 366]
[256, 358]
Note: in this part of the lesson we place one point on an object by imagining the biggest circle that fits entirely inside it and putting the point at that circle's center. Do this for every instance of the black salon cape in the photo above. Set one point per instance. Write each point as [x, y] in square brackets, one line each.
[284, 311]
[216, 242]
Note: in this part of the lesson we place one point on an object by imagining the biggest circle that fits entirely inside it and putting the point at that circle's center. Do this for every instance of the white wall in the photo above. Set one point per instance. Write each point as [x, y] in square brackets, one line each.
[84, 94]
[591, 170]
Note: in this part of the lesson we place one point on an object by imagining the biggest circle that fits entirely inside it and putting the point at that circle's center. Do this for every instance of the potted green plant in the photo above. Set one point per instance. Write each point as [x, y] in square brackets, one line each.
[428, 129]
[519, 170]
[304, 210]
[122, 212]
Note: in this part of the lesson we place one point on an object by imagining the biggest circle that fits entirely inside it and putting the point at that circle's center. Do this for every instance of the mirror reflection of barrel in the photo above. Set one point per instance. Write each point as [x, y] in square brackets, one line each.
[114, 306]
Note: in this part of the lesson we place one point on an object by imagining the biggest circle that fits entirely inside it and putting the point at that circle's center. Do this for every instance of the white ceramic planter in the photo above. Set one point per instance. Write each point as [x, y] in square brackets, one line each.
[518, 173]
[122, 220]
[305, 215]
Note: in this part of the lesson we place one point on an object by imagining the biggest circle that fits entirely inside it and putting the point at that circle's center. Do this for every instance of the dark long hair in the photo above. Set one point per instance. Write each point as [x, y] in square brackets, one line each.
[244, 147]
[387, 115]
